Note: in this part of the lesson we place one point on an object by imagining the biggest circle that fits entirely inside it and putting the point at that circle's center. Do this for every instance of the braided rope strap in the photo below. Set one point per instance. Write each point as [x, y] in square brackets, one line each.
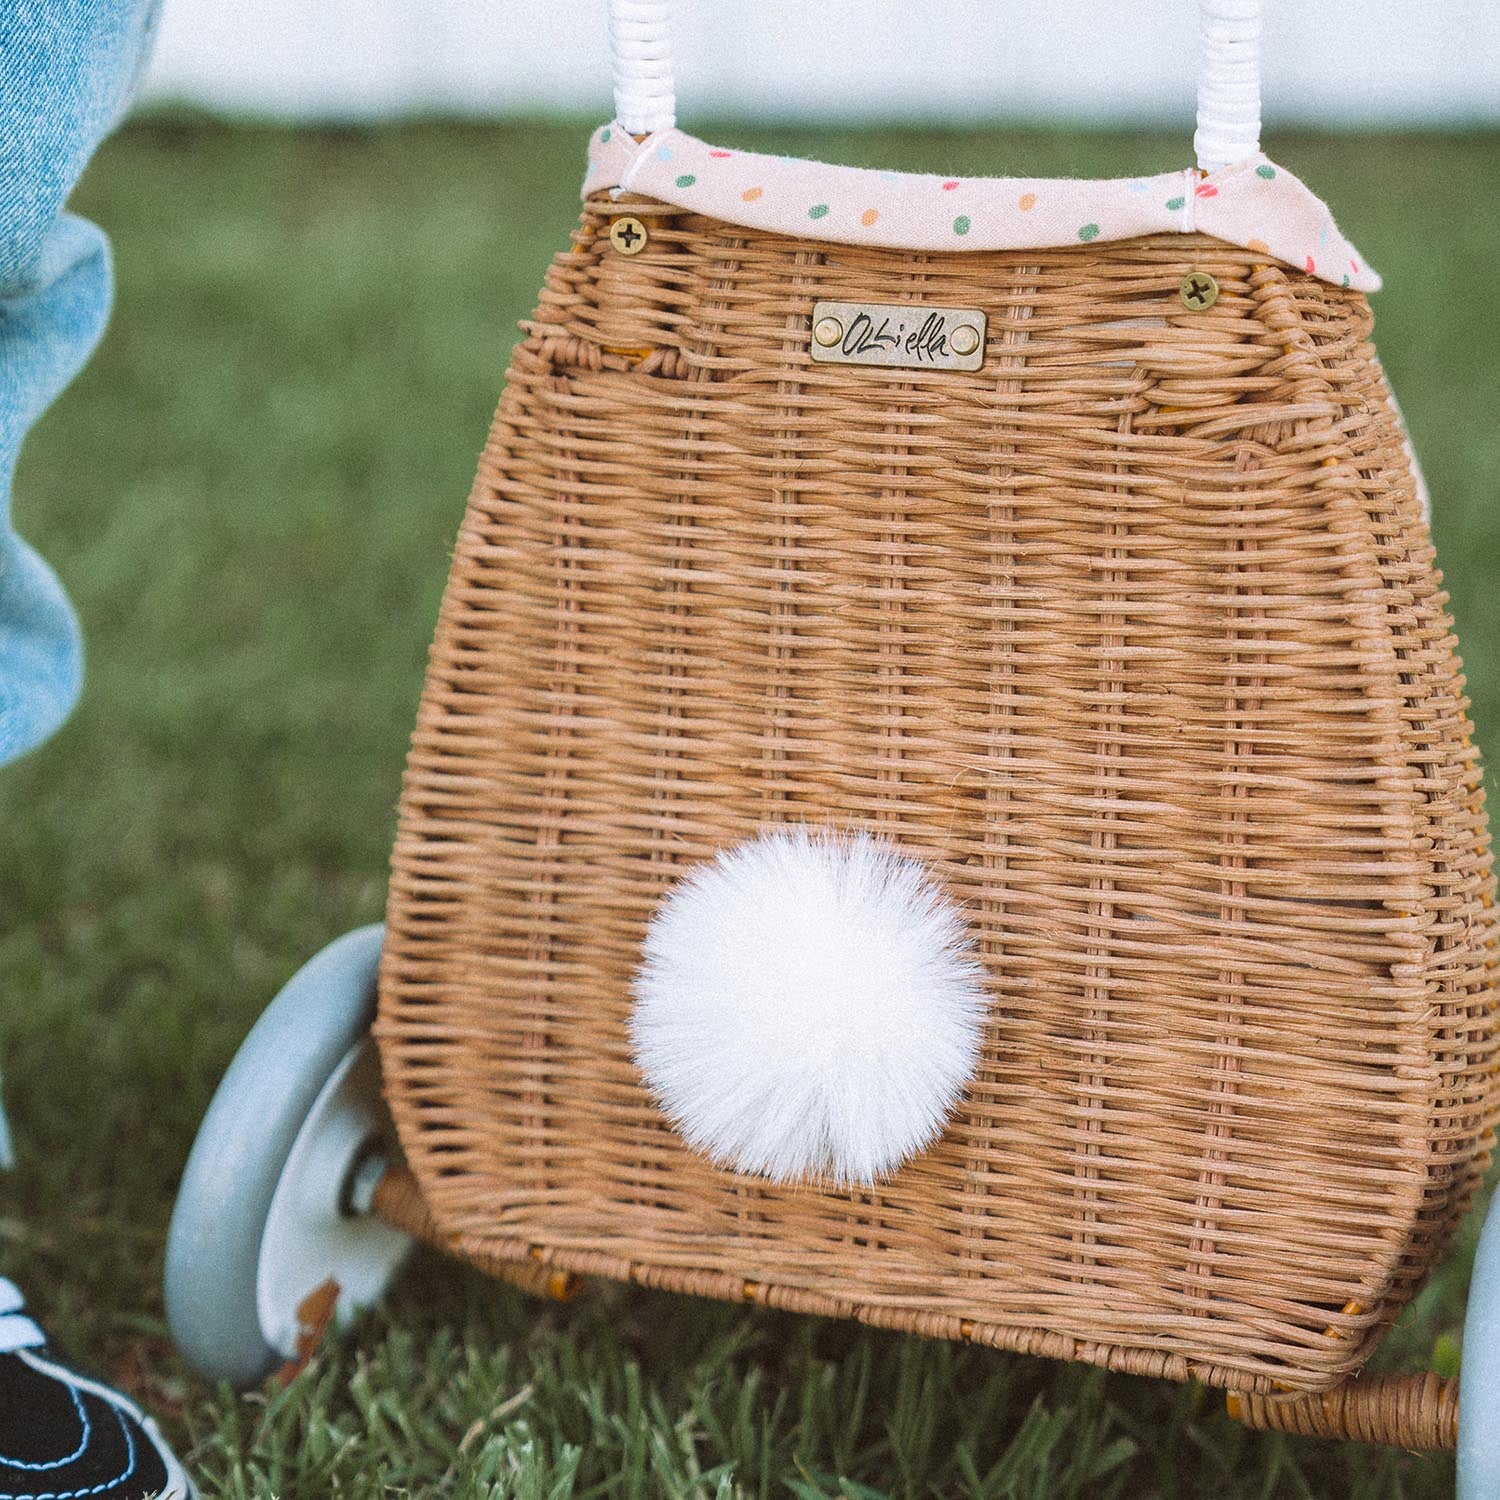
[640, 33]
[640, 39]
[1404, 1411]
[1229, 84]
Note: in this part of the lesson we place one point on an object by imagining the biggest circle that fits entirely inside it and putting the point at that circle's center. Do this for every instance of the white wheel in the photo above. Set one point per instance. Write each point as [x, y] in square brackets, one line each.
[1479, 1376]
[267, 1239]
[317, 1245]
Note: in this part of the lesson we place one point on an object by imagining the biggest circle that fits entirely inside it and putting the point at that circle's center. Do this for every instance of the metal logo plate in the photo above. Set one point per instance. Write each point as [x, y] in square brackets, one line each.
[897, 336]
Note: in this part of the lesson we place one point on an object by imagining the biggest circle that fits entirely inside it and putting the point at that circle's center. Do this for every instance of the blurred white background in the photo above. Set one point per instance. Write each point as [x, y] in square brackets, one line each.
[1327, 62]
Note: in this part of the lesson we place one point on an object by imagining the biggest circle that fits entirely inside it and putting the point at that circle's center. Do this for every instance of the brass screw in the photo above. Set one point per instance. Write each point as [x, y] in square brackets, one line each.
[964, 339]
[828, 331]
[1198, 291]
[628, 235]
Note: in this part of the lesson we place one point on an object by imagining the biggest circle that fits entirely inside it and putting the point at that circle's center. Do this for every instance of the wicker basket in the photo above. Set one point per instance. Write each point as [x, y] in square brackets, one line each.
[1133, 635]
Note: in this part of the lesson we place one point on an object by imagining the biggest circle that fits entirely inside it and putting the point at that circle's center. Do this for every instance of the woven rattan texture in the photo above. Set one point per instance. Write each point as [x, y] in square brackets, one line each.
[1134, 636]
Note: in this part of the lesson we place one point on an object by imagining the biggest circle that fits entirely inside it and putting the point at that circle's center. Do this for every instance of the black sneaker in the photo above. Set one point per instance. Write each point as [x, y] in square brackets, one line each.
[66, 1437]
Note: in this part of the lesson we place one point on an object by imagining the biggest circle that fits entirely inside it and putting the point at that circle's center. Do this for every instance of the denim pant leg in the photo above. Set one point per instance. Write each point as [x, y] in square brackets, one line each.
[68, 69]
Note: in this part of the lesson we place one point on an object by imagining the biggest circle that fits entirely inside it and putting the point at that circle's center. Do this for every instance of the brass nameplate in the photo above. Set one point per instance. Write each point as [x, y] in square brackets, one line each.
[897, 336]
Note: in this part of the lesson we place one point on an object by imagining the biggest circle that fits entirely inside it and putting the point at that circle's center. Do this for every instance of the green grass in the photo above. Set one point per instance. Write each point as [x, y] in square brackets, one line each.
[252, 493]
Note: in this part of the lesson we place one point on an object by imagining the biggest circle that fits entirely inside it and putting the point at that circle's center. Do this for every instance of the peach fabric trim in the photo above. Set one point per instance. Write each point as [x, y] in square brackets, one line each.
[1254, 204]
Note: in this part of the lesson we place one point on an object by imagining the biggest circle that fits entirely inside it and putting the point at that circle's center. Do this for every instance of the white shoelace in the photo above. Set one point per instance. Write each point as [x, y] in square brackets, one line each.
[17, 1331]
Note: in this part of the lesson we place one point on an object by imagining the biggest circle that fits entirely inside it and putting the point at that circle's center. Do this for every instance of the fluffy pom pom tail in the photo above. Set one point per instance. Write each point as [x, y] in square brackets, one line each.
[809, 1007]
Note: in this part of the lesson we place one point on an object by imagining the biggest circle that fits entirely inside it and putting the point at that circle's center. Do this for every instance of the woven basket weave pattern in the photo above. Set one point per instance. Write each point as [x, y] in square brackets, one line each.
[1133, 636]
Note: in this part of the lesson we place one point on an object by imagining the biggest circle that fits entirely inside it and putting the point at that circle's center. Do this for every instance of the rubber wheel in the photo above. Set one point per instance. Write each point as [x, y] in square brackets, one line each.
[1479, 1375]
[306, 1070]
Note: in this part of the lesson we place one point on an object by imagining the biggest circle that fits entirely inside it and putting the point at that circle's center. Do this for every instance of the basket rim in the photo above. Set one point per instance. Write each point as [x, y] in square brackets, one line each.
[1254, 203]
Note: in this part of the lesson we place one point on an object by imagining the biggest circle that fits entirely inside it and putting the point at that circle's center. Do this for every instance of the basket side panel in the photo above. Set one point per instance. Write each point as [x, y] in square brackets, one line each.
[1458, 901]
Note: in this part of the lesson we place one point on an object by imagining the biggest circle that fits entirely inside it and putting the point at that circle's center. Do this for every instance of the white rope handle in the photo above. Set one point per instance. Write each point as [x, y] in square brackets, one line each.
[640, 33]
[1229, 83]
[640, 39]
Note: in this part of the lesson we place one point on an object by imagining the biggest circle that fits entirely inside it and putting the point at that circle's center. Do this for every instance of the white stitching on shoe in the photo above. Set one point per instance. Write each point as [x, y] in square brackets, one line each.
[7, 1462]
[97, 1489]
[178, 1485]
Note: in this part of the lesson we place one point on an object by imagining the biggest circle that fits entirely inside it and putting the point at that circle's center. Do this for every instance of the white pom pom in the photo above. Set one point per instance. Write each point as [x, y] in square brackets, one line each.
[809, 1006]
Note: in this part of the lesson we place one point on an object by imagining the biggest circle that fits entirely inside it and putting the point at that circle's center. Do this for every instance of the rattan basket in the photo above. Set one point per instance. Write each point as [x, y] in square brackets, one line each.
[1132, 635]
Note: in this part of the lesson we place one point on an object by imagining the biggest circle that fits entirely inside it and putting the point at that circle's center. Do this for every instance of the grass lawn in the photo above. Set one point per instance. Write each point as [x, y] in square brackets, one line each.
[251, 494]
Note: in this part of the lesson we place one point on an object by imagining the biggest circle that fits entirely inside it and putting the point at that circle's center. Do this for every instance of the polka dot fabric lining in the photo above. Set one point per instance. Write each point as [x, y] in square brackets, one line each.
[1254, 204]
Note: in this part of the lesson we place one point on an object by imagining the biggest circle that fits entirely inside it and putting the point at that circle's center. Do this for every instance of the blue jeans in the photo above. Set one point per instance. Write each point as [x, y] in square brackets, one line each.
[68, 69]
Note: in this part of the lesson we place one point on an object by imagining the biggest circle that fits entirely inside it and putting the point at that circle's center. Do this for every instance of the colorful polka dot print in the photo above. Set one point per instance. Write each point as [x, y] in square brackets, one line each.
[1254, 204]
